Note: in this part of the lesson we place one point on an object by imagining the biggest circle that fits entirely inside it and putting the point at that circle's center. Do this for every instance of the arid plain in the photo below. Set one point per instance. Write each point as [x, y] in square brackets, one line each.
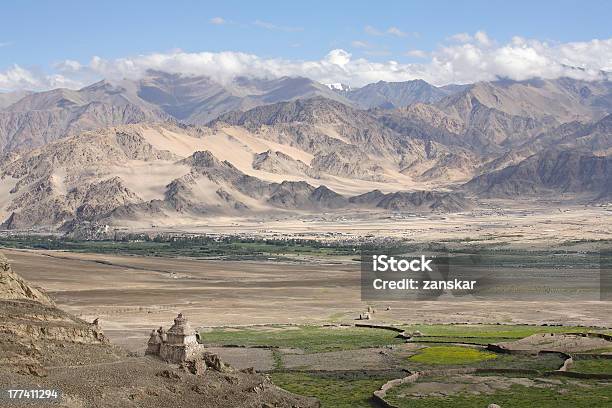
[132, 294]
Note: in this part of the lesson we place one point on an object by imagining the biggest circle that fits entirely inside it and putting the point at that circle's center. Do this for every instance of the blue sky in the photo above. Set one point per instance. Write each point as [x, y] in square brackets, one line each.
[36, 35]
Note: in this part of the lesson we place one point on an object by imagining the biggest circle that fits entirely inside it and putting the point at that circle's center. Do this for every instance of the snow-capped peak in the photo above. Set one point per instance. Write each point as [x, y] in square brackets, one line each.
[338, 87]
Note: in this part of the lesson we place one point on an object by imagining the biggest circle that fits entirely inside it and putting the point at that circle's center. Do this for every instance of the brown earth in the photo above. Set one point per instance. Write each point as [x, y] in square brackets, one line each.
[43, 347]
[132, 295]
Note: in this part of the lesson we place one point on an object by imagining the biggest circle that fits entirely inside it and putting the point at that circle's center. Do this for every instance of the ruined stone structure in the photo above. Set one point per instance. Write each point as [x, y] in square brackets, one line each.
[177, 345]
[364, 316]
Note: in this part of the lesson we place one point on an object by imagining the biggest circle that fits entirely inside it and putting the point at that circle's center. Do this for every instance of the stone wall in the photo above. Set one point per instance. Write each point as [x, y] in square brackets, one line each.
[178, 353]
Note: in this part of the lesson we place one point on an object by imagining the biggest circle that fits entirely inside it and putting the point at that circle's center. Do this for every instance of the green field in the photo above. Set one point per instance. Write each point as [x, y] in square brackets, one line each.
[333, 391]
[451, 355]
[594, 366]
[235, 247]
[311, 339]
[350, 389]
[441, 357]
[586, 394]
[230, 247]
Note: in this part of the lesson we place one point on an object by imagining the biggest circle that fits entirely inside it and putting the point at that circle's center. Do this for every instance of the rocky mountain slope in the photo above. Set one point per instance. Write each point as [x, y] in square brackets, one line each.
[198, 100]
[491, 117]
[345, 141]
[163, 174]
[43, 347]
[573, 158]
[321, 153]
[39, 118]
[389, 95]
[487, 115]
[563, 99]
[554, 170]
[594, 136]
[9, 98]
[415, 201]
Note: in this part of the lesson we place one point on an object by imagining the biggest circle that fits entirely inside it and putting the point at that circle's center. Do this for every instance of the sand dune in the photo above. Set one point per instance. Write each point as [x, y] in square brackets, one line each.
[239, 146]
[148, 180]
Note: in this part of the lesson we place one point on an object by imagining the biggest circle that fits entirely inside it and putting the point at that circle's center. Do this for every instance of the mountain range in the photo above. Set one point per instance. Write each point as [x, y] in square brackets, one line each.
[170, 149]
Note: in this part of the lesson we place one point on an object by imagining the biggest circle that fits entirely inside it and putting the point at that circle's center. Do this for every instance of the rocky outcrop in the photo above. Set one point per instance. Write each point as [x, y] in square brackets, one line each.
[425, 201]
[13, 287]
[44, 204]
[326, 198]
[371, 198]
[415, 201]
[280, 163]
[352, 165]
[69, 179]
[554, 170]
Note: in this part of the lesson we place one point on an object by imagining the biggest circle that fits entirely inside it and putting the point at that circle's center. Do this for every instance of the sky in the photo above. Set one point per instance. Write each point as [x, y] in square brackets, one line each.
[46, 44]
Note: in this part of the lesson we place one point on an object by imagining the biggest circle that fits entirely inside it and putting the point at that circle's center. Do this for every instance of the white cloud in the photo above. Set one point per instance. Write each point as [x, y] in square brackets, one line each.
[396, 32]
[461, 37]
[271, 26]
[17, 78]
[483, 38]
[372, 31]
[69, 65]
[417, 54]
[393, 31]
[478, 58]
[5, 44]
[217, 21]
[360, 44]
[338, 58]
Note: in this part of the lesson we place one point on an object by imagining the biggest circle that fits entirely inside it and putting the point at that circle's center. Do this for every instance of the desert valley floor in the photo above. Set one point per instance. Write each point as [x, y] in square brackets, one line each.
[292, 314]
[131, 295]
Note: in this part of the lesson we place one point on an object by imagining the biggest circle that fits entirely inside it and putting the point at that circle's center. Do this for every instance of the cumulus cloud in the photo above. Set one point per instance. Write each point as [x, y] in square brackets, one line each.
[483, 39]
[461, 37]
[217, 21]
[18, 78]
[396, 32]
[479, 37]
[460, 60]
